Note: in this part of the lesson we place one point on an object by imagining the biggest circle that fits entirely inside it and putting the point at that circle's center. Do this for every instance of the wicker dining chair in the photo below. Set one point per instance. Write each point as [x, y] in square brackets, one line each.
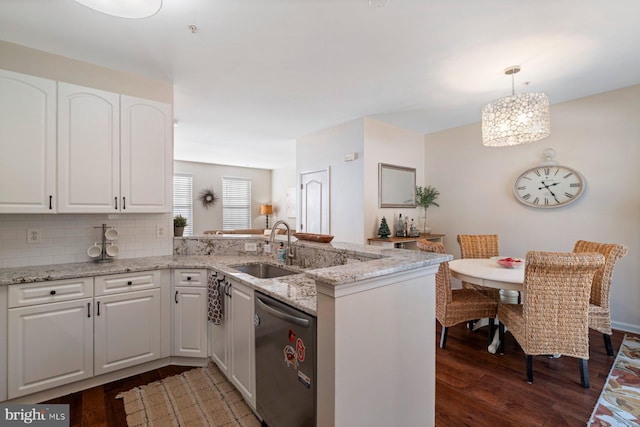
[554, 314]
[479, 246]
[599, 310]
[455, 306]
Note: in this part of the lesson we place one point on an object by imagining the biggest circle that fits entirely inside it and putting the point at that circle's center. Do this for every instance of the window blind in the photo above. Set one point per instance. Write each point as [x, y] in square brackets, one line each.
[183, 199]
[236, 203]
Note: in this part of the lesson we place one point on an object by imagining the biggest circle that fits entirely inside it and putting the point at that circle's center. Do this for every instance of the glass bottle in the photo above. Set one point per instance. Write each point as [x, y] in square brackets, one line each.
[413, 230]
[400, 231]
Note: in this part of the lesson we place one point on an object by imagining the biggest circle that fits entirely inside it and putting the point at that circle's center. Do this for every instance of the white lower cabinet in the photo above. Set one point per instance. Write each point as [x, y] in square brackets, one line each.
[242, 353]
[64, 331]
[49, 345]
[50, 335]
[126, 330]
[219, 336]
[232, 342]
[189, 313]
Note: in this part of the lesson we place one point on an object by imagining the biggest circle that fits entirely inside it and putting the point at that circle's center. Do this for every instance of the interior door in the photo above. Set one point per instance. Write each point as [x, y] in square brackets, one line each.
[314, 202]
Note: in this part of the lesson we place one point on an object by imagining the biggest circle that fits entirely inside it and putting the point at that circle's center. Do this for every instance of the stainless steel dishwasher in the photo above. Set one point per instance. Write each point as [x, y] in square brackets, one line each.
[285, 364]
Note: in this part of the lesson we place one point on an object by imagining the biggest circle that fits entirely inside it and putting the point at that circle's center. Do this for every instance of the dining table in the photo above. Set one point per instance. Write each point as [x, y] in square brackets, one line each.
[488, 273]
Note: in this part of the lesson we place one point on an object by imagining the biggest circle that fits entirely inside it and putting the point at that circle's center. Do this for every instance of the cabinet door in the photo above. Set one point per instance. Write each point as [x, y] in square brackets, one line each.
[242, 342]
[190, 322]
[50, 345]
[88, 149]
[127, 330]
[219, 339]
[27, 144]
[146, 143]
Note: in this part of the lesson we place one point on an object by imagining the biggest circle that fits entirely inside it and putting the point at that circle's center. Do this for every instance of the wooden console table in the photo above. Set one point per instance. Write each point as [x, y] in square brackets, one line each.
[404, 242]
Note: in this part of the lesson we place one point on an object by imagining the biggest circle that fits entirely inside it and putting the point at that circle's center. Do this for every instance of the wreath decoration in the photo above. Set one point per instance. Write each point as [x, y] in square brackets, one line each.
[208, 197]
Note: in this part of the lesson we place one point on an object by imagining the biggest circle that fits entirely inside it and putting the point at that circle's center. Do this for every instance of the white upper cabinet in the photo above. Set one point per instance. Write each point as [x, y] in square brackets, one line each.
[27, 143]
[115, 152]
[146, 155]
[88, 149]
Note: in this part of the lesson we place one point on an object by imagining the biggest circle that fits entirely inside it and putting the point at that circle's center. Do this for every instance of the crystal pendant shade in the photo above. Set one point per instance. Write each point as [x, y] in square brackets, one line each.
[516, 119]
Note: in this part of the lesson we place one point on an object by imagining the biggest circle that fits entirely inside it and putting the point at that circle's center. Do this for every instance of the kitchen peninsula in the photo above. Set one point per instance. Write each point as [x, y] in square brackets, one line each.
[375, 312]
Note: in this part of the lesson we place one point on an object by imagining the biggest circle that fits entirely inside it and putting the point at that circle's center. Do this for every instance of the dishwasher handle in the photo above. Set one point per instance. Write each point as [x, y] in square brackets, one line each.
[281, 315]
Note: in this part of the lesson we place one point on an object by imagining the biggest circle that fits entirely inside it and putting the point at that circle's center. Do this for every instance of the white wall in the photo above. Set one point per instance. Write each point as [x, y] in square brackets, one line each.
[281, 180]
[326, 149]
[206, 175]
[354, 214]
[599, 136]
[25, 60]
[385, 143]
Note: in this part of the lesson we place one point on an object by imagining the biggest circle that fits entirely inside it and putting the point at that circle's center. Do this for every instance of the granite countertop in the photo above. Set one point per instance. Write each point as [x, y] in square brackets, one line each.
[298, 290]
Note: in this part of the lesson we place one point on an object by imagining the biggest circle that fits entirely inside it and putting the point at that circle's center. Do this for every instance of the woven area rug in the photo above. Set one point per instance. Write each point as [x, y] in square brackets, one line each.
[619, 403]
[198, 397]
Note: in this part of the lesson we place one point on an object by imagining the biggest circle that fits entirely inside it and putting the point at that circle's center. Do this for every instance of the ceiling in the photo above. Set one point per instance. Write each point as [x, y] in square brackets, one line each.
[258, 74]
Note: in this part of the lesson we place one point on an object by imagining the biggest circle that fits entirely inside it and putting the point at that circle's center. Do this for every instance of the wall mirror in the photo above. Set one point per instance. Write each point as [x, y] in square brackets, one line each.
[396, 186]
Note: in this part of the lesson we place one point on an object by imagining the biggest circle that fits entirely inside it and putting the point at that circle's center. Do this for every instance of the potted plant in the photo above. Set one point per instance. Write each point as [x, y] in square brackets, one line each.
[425, 197]
[179, 223]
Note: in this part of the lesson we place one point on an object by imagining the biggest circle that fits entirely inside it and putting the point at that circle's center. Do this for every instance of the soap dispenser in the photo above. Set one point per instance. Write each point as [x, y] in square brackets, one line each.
[282, 253]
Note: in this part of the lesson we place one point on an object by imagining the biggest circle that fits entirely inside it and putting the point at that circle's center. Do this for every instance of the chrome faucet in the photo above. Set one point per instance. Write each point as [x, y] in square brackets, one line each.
[273, 233]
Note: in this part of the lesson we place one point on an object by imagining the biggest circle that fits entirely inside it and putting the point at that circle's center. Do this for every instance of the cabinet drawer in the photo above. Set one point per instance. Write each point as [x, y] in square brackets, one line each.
[54, 291]
[126, 282]
[190, 277]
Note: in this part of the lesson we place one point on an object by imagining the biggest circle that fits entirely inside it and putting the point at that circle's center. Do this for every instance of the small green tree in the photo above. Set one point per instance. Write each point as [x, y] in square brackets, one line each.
[383, 230]
[179, 221]
[425, 197]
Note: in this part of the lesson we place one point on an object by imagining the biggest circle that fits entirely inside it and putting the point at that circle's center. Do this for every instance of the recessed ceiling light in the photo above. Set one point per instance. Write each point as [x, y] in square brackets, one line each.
[132, 9]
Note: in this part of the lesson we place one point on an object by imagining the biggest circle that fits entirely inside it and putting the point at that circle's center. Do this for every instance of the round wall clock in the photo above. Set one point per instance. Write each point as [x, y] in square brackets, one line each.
[547, 186]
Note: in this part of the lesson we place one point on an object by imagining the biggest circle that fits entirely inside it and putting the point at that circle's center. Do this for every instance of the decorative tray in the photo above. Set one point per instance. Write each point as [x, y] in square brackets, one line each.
[322, 238]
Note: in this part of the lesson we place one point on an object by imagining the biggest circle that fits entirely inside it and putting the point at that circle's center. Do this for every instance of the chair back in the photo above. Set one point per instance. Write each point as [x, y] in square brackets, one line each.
[601, 286]
[478, 245]
[555, 301]
[443, 276]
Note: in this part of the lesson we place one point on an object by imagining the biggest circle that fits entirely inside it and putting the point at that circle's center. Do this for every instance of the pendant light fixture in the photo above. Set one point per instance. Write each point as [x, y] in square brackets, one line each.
[133, 9]
[516, 119]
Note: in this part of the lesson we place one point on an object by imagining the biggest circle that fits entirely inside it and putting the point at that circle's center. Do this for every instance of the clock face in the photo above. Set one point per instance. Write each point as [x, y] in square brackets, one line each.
[549, 186]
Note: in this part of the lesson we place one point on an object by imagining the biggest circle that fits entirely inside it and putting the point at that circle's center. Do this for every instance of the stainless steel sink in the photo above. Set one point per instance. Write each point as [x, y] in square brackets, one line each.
[263, 271]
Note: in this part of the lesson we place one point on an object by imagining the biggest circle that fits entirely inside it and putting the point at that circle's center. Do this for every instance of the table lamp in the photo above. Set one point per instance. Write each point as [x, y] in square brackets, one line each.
[266, 210]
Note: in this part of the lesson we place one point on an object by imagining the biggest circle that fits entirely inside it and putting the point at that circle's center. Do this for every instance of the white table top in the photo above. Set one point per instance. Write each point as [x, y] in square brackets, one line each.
[487, 272]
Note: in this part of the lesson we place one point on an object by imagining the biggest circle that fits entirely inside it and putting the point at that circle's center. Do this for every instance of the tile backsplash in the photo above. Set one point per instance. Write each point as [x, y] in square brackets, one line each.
[65, 238]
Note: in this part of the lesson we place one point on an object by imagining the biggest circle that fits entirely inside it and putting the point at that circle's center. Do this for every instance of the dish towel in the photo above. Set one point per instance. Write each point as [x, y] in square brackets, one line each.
[216, 305]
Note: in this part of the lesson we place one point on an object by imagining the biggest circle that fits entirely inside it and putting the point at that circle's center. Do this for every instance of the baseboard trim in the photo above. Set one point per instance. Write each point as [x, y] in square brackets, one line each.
[626, 327]
[75, 387]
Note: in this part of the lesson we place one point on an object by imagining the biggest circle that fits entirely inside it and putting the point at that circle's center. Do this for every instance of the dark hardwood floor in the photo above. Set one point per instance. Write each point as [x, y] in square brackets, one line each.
[98, 406]
[473, 387]
[477, 388]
